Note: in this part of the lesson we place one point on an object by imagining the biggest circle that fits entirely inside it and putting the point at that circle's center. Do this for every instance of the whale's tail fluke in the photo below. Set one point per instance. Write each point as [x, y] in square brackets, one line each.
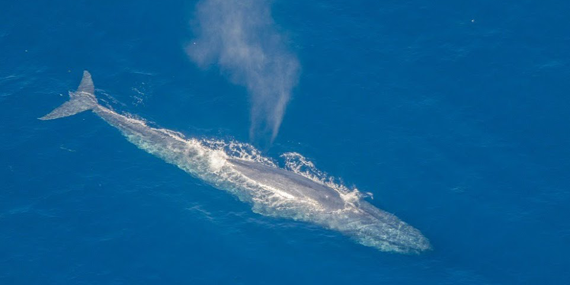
[81, 100]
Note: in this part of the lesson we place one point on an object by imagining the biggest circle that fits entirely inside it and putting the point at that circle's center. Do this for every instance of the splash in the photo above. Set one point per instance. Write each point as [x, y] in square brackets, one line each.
[241, 38]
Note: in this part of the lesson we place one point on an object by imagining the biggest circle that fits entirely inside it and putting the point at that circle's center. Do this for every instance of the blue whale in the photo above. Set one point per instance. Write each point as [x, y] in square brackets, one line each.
[271, 190]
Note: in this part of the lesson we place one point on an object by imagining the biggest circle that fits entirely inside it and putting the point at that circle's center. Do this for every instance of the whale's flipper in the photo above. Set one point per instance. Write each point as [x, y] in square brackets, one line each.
[81, 100]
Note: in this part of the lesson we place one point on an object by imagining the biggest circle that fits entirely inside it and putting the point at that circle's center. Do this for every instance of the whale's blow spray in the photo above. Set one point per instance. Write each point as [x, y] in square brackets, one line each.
[240, 37]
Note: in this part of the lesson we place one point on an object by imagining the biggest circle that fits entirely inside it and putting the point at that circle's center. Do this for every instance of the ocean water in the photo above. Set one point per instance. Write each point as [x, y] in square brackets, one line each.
[452, 114]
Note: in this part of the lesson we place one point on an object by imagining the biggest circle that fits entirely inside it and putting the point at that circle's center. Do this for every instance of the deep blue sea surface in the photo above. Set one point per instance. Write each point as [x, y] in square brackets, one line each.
[454, 114]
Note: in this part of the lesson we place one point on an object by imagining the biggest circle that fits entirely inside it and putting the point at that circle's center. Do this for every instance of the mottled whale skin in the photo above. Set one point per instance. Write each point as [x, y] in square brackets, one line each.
[271, 190]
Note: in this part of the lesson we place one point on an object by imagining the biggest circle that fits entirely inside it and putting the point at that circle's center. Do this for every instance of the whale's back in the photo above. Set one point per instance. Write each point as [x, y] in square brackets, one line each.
[292, 183]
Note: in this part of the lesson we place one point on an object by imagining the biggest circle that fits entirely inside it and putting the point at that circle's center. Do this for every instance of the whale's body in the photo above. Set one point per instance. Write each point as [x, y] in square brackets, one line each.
[272, 191]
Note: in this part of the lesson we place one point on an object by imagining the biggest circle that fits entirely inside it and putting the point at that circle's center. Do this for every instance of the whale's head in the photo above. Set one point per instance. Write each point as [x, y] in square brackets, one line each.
[405, 239]
[379, 229]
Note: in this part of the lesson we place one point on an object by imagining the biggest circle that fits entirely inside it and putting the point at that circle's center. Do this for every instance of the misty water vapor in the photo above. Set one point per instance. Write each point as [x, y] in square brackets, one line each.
[241, 38]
